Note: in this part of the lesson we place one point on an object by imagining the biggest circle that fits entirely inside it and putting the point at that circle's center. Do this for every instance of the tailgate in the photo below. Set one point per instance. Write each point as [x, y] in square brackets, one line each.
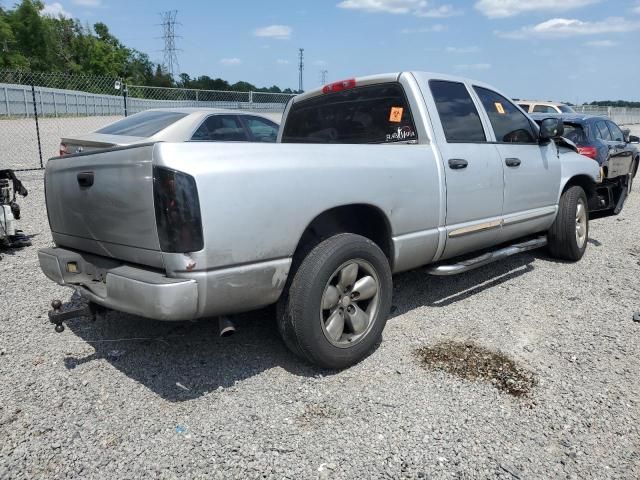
[103, 203]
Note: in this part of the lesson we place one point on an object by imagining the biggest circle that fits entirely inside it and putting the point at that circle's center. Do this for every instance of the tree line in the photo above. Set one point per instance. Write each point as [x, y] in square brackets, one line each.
[33, 42]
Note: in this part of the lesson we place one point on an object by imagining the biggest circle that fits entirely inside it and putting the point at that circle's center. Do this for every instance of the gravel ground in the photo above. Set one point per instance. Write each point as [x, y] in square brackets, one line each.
[130, 398]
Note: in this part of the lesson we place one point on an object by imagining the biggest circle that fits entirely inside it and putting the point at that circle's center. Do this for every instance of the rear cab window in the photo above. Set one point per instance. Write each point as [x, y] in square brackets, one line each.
[144, 124]
[458, 113]
[371, 114]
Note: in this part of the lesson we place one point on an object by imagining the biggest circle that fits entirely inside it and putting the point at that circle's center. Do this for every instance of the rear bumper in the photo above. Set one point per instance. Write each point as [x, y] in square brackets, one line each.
[147, 293]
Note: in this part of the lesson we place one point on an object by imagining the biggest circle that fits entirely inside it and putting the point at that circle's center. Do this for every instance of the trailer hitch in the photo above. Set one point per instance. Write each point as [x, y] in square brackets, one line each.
[57, 316]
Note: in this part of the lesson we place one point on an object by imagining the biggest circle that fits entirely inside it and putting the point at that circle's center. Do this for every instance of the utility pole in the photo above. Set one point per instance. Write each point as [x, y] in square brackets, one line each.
[323, 77]
[169, 36]
[300, 68]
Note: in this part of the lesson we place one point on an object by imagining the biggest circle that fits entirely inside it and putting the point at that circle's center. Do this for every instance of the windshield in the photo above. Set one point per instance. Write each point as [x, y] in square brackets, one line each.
[144, 124]
[566, 109]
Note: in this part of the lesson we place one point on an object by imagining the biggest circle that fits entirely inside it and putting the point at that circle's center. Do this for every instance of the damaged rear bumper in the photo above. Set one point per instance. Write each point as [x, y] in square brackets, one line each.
[111, 284]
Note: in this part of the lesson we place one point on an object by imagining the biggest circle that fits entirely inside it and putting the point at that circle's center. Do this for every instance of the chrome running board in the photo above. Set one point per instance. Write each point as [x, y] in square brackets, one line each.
[489, 257]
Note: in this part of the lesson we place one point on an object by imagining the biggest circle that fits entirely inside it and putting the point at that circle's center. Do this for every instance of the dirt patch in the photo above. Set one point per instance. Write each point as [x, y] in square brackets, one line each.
[473, 362]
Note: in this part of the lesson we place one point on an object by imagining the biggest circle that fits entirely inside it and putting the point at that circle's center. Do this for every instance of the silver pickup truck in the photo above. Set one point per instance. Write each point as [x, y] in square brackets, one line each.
[370, 177]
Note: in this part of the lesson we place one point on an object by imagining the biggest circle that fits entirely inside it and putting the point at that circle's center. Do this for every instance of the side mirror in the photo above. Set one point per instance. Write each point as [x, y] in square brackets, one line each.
[551, 128]
[625, 134]
[634, 139]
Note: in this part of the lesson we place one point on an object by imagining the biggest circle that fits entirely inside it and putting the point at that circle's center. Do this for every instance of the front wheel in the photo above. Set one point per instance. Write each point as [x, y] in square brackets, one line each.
[338, 302]
[568, 235]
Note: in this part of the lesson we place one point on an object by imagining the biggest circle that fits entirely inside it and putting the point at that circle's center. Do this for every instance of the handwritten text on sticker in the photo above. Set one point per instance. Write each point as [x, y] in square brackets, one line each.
[396, 114]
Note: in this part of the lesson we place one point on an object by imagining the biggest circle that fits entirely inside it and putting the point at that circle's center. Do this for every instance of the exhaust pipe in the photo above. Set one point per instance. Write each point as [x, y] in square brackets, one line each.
[225, 326]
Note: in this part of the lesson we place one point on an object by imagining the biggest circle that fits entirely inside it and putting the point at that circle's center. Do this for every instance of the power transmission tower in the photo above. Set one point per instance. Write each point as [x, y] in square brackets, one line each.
[169, 36]
[323, 77]
[300, 68]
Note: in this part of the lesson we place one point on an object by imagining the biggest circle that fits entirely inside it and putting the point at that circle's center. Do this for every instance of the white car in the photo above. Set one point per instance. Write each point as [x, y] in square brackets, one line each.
[535, 106]
[178, 125]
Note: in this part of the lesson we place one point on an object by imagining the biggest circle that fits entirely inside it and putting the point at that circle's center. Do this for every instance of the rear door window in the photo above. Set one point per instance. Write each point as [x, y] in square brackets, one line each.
[602, 131]
[458, 113]
[221, 128]
[369, 114]
[144, 124]
[509, 124]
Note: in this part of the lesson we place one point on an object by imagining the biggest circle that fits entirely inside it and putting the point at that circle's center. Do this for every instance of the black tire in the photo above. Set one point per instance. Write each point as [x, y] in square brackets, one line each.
[562, 241]
[299, 309]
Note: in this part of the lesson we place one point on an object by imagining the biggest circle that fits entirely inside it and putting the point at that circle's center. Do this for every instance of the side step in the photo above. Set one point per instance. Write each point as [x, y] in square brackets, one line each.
[489, 257]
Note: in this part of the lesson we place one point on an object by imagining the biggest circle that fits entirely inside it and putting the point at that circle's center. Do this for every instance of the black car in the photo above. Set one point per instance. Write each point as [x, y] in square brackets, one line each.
[614, 149]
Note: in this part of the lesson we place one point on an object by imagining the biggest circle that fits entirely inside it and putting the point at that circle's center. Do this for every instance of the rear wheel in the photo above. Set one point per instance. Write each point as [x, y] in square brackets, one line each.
[338, 302]
[568, 235]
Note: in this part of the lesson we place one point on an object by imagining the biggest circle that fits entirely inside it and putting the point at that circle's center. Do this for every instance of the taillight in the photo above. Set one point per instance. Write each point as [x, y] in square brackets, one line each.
[339, 86]
[63, 149]
[590, 152]
[177, 211]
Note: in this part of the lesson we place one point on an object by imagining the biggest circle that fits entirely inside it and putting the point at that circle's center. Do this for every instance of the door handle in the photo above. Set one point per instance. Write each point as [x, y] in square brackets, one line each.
[85, 179]
[457, 163]
[512, 162]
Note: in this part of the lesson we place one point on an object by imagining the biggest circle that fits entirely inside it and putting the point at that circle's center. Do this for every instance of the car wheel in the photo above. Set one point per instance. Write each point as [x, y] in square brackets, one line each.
[568, 235]
[337, 304]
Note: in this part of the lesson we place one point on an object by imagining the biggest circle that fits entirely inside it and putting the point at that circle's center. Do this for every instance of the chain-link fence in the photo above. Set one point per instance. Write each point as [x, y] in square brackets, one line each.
[38, 109]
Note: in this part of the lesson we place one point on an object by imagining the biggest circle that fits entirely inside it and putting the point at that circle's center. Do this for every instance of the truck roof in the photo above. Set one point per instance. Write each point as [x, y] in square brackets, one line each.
[394, 77]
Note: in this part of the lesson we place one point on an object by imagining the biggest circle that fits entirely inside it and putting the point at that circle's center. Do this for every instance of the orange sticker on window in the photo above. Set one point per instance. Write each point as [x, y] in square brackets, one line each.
[499, 108]
[396, 114]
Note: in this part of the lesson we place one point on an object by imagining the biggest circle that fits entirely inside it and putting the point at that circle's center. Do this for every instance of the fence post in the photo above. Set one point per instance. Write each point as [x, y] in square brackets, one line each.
[35, 115]
[55, 106]
[42, 112]
[26, 103]
[251, 100]
[66, 104]
[6, 100]
[124, 96]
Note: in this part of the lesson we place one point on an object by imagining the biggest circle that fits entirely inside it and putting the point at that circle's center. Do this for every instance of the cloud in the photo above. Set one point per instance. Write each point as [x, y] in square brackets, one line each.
[282, 61]
[473, 66]
[87, 3]
[602, 43]
[434, 28]
[563, 27]
[320, 63]
[636, 8]
[471, 49]
[420, 8]
[230, 61]
[279, 32]
[442, 11]
[54, 9]
[510, 8]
